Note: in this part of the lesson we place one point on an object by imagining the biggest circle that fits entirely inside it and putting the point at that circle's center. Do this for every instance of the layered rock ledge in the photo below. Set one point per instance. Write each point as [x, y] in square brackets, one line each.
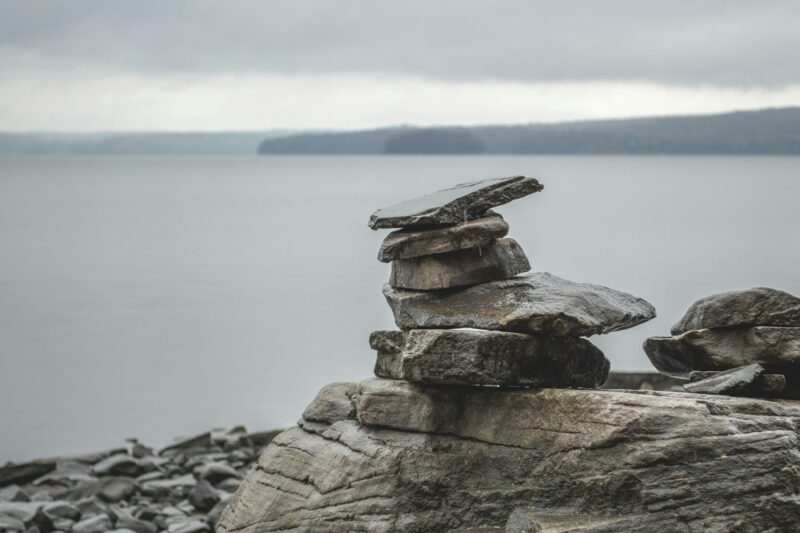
[386, 455]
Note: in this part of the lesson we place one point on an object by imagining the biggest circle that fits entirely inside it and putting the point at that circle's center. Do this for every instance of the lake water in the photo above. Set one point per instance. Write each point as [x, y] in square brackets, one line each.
[157, 297]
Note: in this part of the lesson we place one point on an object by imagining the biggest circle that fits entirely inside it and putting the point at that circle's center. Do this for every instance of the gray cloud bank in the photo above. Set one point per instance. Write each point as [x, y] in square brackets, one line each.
[724, 43]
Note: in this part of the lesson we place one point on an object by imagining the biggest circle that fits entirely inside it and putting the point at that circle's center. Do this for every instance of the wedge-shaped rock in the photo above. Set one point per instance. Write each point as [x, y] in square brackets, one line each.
[454, 205]
[499, 260]
[424, 458]
[724, 348]
[727, 380]
[538, 303]
[405, 243]
[752, 307]
[481, 357]
[747, 380]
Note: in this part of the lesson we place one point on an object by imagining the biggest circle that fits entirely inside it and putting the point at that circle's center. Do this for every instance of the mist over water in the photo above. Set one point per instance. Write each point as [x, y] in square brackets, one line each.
[157, 297]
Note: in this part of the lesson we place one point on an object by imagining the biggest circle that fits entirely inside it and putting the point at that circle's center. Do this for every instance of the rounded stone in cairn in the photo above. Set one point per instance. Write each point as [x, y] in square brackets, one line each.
[495, 358]
[499, 260]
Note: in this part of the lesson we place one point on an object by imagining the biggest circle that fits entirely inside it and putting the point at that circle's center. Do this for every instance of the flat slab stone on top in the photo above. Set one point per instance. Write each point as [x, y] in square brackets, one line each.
[454, 205]
[760, 306]
[405, 243]
[724, 348]
[499, 260]
[538, 303]
[481, 357]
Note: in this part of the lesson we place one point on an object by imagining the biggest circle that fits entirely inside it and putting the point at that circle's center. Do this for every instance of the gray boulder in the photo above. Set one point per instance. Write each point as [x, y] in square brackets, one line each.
[760, 306]
[723, 348]
[538, 303]
[402, 244]
[499, 260]
[454, 205]
[431, 458]
[481, 357]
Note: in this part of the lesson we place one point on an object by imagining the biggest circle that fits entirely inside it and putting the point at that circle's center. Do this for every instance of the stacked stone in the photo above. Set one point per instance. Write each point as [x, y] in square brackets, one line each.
[467, 316]
[740, 343]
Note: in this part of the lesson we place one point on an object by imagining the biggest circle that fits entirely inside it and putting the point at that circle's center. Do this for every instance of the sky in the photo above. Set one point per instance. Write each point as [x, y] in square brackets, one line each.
[109, 65]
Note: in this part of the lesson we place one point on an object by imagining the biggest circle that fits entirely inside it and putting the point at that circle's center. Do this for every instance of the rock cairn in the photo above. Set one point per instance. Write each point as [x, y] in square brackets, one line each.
[739, 343]
[467, 316]
[423, 449]
[179, 489]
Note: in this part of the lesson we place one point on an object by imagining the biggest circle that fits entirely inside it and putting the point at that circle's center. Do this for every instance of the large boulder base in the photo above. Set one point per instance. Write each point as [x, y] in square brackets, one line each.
[480, 357]
[499, 260]
[406, 243]
[724, 348]
[465, 201]
[760, 306]
[427, 459]
[537, 303]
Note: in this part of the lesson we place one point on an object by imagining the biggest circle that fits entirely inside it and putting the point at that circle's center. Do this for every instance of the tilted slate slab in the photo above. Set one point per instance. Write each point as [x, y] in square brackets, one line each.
[747, 380]
[499, 260]
[760, 306]
[538, 303]
[481, 357]
[456, 204]
[724, 348]
[406, 243]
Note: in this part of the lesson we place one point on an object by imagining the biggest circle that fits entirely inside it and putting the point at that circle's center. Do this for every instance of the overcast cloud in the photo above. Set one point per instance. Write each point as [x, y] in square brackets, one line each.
[671, 56]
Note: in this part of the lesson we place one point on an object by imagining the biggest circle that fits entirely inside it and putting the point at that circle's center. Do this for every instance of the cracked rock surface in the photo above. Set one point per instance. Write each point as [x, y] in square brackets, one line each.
[422, 458]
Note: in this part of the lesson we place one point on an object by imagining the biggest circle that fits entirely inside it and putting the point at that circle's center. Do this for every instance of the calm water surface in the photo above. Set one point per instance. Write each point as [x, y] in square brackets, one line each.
[157, 297]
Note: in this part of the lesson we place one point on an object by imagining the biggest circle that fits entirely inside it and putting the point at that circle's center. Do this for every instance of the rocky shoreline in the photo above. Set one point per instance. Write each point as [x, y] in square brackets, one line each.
[181, 488]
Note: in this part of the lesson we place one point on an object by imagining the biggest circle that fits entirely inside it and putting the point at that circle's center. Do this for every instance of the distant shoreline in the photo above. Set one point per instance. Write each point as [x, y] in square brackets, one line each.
[763, 132]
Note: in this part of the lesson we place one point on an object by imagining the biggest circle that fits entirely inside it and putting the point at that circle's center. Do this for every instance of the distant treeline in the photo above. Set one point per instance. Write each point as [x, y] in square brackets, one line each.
[773, 131]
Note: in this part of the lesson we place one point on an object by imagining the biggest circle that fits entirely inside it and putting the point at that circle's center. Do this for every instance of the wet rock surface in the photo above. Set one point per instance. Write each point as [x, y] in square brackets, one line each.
[184, 488]
[433, 458]
[457, 204]
[537, 303]
[760, 306]
[499, 260]
[481, 357]
[406, 243]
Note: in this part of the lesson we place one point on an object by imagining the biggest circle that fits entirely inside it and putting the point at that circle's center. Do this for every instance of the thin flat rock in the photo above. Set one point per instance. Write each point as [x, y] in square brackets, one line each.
[760, 306]
[406, 243]
[538, 303]
[499, 260]
[726, 381]
[465, 201]
[480, 357]
[723, 348]
[762, 385]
